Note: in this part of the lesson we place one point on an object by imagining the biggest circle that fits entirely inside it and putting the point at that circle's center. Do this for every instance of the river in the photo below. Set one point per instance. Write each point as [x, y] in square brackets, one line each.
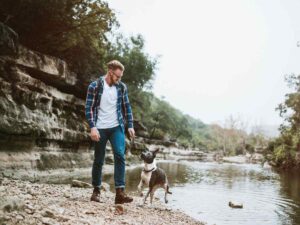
[203, 190]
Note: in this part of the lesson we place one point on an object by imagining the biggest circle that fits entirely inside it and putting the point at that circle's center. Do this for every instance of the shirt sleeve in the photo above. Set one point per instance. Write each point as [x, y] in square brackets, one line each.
[127, 107]
[89, 103]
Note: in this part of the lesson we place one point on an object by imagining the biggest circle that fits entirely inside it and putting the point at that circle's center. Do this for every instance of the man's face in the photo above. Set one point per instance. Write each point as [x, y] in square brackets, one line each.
[115, 75]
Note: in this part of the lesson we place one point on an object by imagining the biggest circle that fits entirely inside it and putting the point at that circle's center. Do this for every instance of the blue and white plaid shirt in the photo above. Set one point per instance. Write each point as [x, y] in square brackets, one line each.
[93, 98]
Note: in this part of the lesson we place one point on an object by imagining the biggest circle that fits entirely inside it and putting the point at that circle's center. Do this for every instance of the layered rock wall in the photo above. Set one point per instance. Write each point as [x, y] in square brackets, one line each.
[42, 113]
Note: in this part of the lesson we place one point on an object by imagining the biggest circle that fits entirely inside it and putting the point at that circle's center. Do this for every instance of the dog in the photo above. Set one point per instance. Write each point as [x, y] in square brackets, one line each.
[152, 176]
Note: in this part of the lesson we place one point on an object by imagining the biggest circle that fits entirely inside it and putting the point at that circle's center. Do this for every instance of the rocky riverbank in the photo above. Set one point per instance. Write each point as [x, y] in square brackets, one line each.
[256, 157]
[23, 202]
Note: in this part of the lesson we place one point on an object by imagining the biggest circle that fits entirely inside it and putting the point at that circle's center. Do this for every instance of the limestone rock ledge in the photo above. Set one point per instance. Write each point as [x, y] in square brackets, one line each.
[42, 110]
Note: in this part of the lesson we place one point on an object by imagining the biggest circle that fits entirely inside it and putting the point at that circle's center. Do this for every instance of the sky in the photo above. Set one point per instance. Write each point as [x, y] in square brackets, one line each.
[218, 58]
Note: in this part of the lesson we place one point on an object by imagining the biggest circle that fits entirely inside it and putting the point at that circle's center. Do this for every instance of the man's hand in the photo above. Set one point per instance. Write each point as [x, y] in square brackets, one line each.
[131, 133]
[95, 136]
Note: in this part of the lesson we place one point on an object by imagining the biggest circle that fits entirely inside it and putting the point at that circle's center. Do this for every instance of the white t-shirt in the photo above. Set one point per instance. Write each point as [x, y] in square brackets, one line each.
[107, 111]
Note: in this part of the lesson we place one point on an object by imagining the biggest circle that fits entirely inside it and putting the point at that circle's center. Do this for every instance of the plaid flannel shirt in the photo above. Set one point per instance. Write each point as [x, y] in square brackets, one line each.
[93, 98]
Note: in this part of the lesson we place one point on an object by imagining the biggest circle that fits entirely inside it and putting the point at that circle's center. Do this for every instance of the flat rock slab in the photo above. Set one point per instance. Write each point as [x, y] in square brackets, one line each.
[80, 184]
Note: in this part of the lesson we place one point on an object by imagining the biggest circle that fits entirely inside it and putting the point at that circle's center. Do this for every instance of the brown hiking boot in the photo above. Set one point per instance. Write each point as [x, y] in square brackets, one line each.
[96, 195]
[121, 197]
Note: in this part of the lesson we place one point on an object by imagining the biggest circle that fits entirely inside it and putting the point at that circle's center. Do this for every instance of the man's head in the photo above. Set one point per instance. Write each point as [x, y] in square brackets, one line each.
[115, 71]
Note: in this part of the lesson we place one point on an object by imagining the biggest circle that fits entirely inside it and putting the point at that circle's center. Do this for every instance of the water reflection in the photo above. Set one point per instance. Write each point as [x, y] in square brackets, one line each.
[290, 189]
[203, 190]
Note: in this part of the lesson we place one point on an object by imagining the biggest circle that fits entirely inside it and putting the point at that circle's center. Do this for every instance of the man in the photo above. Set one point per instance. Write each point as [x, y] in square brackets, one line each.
[107, 109]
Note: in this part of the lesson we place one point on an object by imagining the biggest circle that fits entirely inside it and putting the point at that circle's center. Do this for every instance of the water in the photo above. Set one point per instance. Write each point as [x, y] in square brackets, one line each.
[203, 190]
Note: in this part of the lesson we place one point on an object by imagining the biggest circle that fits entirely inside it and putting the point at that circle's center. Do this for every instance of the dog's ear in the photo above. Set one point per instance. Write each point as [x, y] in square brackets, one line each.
[155, 151]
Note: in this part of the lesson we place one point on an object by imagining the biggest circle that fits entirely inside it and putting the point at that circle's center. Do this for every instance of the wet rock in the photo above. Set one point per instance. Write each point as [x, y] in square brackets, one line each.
[137, 147]
[19, 217]
[80, 184]
[67, 195]
[7, 174]
[83, 221]
[266, 165]
[105, 187]
[109, 159]
[48, 213]
[29, 206]
[28, 211]
[141, 133]
[272, 163]
[48, 221]
[58, 210]
[235, 205]
[119, 209]
[257, 158]
[6, 217]
[62, 218]
[235, 159]
[90, 212]
[32, 192]
[11, 203]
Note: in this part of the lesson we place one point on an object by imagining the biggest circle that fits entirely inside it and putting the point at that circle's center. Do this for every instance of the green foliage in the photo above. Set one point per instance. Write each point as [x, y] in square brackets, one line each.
[290, 108]
[158, 134]
[285, 147]
[249, 148]
[139, 66]
[139, 70]
[164, 121]
[81, 33]
[239, 150]
[279, 153]
[73, 30]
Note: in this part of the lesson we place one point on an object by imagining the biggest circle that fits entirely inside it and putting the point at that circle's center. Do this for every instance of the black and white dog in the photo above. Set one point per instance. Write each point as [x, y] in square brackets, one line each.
[152, 176]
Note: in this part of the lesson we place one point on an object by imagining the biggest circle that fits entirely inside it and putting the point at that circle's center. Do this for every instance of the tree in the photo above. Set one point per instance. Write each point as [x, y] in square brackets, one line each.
[73, 30]
[286, 148]
[139, 66]
[289, 110]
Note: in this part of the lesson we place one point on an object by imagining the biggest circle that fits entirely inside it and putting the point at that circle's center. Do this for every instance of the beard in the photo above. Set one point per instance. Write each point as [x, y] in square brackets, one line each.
[113, 81]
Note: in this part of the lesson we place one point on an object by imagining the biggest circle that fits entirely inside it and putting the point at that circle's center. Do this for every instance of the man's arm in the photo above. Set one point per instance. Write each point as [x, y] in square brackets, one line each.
[127, 107]
[89, 103]
[128, 113]
[89, 113]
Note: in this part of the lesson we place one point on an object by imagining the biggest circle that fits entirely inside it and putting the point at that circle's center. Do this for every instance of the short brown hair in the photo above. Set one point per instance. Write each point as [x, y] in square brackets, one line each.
[115, 64]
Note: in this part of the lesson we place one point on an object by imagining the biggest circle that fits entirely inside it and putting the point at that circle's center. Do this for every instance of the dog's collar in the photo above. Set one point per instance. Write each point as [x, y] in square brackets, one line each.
[147, 171]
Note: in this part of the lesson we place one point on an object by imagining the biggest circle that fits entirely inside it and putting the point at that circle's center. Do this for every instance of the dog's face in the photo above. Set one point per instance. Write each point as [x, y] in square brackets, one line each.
[149, 156]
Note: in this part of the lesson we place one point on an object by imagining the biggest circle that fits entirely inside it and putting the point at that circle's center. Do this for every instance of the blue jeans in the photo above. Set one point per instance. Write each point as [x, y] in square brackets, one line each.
[116, 137]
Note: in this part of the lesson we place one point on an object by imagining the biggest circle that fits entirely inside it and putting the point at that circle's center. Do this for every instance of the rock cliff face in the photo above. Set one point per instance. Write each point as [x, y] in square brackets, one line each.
[42, 112]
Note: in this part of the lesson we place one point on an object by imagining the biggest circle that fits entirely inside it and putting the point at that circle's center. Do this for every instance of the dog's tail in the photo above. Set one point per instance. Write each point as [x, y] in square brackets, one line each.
[169, 192]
